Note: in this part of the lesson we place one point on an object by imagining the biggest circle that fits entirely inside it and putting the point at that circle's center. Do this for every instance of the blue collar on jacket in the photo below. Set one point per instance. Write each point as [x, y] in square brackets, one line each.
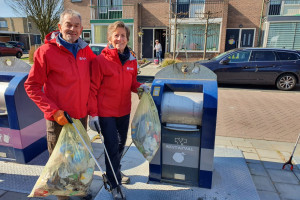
[72, 47]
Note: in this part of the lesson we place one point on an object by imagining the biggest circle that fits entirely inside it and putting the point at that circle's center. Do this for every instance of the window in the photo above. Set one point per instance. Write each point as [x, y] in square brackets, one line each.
[238, 57]
[100, 32]
[287, 55]
[263, 56]
[191, 37]
[274, 7]
[9, 45]
[190, 8]
[284, 35]
[76, 0]
[291, 8]
[3, 24]
[110, 9]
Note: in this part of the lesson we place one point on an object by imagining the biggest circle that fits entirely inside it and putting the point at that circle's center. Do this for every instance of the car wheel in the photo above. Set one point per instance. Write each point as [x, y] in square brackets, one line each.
[19, 55]
[286, 82]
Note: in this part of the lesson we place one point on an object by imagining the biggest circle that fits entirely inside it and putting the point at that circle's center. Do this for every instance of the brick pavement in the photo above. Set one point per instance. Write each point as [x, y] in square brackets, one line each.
[258, 114]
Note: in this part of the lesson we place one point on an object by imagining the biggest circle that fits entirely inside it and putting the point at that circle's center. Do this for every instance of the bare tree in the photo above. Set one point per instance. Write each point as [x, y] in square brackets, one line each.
[44, 13]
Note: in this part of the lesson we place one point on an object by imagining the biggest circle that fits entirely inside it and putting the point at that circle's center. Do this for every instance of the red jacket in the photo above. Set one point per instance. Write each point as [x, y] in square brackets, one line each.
[58, 81]
[112, 84]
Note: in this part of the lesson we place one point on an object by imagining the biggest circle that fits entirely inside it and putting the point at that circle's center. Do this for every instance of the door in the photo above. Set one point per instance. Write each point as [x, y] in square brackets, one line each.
[160, 35]
[237, 68]
[232, 39]
[147, 44]
[247, 36]
[266, 67]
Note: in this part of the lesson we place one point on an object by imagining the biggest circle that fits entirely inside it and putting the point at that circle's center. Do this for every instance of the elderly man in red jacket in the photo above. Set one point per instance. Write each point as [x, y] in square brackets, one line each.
[59, 79]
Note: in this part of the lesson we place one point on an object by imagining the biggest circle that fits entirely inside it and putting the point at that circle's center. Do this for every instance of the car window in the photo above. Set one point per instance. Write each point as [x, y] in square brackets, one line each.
[222, 54]
[240, 56]
[2, 45]
[9, 45]
[287, 55]
[97, 49]
[263, 56]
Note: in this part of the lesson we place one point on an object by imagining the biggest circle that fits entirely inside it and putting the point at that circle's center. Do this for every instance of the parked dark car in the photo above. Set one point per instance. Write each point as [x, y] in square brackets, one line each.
[260, 66]
[7, 49]
[17, 44]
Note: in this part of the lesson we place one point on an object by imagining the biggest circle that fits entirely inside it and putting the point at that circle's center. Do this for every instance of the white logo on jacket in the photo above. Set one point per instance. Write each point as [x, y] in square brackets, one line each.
[130, 68]
[82, 58]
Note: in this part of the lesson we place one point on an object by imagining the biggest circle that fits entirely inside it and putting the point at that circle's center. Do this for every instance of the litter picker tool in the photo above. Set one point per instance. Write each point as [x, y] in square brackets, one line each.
[102, 139]
[107, 184]
[289, 162]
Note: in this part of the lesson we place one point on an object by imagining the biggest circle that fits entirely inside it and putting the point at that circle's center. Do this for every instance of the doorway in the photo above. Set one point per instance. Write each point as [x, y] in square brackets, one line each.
[148, 40]
[236, 38]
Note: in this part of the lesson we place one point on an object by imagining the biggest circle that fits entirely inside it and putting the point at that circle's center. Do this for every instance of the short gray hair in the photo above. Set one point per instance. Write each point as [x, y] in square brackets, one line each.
[71, 13]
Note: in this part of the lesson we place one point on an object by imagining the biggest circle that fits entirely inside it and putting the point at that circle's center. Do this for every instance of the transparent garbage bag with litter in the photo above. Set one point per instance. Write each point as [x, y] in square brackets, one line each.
[145, 127]
[69, 170]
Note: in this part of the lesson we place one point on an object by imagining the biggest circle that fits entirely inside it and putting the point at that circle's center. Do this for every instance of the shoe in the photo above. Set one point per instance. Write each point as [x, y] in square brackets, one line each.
[117, 195]
[125, 179]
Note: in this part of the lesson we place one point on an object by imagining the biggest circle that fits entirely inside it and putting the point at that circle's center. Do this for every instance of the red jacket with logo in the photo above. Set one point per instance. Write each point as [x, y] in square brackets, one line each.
[58, 80]
[112, 84]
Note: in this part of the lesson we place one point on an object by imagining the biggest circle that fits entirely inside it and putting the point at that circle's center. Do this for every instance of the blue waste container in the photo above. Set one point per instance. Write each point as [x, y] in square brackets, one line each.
[22, 125]
[186, 96]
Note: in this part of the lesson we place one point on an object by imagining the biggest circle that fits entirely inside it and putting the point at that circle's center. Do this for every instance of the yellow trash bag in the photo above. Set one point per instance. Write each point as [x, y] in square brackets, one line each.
[145, 127]
[69, 170]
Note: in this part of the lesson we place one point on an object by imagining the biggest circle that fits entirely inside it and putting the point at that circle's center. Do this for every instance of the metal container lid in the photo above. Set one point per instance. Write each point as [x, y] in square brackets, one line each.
[186, 71]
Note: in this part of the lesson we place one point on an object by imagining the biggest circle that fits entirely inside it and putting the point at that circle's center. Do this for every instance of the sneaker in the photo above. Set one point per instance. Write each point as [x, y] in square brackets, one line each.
[125, 179]
[117, 195]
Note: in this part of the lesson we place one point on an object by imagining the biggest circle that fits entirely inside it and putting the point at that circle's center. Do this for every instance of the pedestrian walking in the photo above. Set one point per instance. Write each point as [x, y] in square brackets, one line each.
[158, 49]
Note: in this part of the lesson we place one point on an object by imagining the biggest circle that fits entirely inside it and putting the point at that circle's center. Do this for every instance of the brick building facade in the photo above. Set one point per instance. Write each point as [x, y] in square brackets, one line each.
[231, 24]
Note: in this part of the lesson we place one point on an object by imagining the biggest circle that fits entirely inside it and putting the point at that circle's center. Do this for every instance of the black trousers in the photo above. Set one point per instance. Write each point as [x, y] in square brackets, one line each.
[114, 131]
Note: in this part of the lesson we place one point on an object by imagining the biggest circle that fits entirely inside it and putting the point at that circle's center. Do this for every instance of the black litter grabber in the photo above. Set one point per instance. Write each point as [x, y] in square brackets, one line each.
[102, 139]
[289, 162]
[107, 184]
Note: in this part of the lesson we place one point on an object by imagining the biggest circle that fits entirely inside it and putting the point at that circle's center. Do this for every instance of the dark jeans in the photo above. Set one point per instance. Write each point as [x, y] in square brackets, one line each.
[158, 56]
[114, 131]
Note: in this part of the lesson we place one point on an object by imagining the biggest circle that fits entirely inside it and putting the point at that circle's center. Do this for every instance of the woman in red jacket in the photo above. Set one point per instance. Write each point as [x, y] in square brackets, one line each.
[113, 78]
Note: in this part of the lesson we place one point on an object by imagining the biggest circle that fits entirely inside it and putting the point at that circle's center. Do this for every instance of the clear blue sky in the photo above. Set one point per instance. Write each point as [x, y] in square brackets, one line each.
[6, 11]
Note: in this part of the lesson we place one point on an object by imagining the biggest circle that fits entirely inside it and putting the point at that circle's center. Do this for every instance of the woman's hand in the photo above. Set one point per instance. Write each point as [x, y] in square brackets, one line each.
[93, 122]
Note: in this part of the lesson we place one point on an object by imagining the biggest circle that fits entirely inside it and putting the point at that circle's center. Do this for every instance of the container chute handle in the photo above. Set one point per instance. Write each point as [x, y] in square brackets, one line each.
[68, 117]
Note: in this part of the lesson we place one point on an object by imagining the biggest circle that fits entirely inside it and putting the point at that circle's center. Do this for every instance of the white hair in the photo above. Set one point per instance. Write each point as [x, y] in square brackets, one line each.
[69, 12]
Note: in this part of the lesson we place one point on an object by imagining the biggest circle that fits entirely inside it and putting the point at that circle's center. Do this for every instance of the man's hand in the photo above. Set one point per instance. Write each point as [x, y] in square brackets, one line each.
[92, 121]
[60, 118]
